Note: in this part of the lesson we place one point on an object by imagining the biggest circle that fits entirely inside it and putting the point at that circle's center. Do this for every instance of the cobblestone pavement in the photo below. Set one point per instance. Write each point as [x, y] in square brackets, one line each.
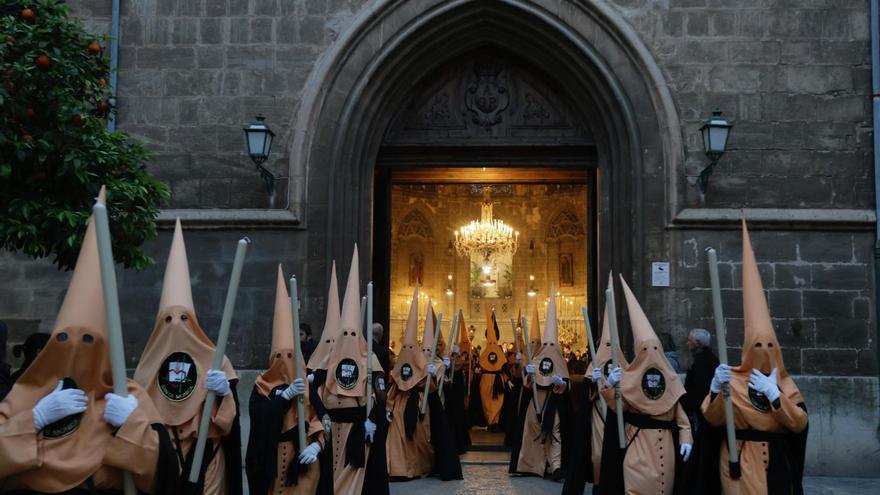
[492, 479]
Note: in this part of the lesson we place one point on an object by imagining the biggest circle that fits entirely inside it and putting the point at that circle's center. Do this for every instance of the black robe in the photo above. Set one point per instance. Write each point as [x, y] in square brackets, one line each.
[475, 408]
[456, 411]
[580, 470]
[446, 463]
[510, 408]
[785, 470]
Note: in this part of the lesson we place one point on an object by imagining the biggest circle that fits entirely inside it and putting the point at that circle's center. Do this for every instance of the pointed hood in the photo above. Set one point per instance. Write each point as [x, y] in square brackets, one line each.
[321, 355]
[492, 358]
[549, 359]
[518, 335]
[761, 348]
[410, 367]
[603, 348]
[282, 364]
[649, 383]
[464, 341]
[428, 333]
[178, 354]
[77, 352]
[176, 287]
[347, 365]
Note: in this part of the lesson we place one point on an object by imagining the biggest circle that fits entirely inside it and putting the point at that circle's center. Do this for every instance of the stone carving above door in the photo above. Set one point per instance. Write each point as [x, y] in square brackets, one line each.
[487, 99]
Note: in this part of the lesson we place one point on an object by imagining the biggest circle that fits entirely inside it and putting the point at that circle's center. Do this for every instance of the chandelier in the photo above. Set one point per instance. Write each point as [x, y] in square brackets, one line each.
[487, 237]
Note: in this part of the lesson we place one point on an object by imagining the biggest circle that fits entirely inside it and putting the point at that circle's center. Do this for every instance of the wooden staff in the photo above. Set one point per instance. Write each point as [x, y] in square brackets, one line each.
[534, 382]
[515, 339]
[363, 309]
[430, 361]
[369, 347]
[721, 337]
[448, 354]
[458, 327]
[114, 322]
[618, 401]
[225, 322]
[298, 363]
[592, 349]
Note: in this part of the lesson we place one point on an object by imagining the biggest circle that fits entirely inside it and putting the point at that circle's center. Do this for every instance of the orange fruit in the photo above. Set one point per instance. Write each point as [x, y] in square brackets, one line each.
[43, 61]
[94, 48]
[27, 138]
[28, 15]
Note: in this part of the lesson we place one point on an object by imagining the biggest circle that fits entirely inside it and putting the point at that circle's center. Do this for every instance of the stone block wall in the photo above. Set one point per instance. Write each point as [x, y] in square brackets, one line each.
[793, 74]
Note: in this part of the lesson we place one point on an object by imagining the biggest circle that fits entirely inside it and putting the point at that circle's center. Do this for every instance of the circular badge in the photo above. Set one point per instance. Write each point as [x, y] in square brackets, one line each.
[493, 358]
[347, 373]
[759, 400]
[406, 372]
[653, 384]
[177, 376]
[546, 367]
[66, 425]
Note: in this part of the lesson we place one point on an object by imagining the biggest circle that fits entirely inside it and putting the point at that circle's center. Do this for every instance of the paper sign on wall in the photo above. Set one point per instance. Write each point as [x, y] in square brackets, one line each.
[660, 274]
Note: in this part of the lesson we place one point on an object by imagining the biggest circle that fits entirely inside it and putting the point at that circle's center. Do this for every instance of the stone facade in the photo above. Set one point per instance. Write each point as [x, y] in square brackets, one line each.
[793, 74]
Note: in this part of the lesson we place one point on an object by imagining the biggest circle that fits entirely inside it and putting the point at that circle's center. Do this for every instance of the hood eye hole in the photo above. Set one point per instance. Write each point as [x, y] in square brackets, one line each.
[290, 355]
[770, 344]
[759, 345]
[278, 355]
[327, 341]
[88, 339]
[655, 347]
[184, 317]
[168, 319]
[61, 337]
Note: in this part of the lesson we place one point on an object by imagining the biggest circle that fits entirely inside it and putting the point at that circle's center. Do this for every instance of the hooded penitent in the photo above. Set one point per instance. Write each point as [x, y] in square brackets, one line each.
[68, 452]
[282, 362]
[321, 354]
[761, 349]
[178, 355]
[347, 365]
[411, 366]
[492, 357]
[549, 360]
[464, 342]
[649, 383]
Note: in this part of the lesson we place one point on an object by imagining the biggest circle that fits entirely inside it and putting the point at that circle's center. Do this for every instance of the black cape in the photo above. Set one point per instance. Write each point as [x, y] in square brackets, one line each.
[510, 408]
[475, 408]
[456, 411]
[555, 404]
[785, 470]
[446, 463]
[231, 444]
[581, 449]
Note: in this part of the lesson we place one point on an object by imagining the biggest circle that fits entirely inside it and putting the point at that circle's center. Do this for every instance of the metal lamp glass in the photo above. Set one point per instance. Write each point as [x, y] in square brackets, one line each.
[258, 138]
[715, 132]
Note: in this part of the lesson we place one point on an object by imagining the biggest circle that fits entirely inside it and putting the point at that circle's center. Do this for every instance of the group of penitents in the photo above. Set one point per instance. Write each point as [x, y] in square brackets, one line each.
[74, 424]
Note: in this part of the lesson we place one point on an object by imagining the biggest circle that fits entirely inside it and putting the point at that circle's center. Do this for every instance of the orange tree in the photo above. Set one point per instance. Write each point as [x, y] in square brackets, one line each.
[55, 148]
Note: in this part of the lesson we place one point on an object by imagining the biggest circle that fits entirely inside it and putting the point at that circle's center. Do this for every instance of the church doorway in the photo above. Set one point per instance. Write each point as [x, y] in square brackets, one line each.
[552, 211]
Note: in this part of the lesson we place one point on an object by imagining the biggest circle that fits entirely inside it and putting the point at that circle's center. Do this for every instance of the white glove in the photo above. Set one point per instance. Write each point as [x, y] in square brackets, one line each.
[327, 424]
[558, 380]
[295, 389]
[722, 376]
[432, 369]
[118, 408]
[388, 416]
[510, 384]
[597, 375]
[614, 377]
[685, 451]
[59, 404]
[530, 369]
[216, 382]
[518, 357]
[369, 430]
[446, 362]
[765, 384]
[310, 453]
[311, 377]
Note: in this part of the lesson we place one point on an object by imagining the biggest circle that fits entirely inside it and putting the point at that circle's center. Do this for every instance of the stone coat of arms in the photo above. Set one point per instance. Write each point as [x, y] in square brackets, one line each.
[487, 96]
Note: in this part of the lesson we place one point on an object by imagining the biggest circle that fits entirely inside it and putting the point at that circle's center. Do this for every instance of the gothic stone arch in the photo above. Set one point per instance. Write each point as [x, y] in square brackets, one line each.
[360, 83]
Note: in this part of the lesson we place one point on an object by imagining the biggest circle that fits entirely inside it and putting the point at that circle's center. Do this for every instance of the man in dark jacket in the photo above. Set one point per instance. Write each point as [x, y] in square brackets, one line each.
[699, 376]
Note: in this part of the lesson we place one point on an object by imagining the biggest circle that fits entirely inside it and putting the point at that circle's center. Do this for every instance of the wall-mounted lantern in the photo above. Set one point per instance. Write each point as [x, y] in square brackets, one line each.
[715, 132]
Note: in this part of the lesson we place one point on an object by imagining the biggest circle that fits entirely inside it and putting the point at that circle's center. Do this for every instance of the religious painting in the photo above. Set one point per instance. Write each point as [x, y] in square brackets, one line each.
[499, 282]
[416, 268]
[566, 270]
